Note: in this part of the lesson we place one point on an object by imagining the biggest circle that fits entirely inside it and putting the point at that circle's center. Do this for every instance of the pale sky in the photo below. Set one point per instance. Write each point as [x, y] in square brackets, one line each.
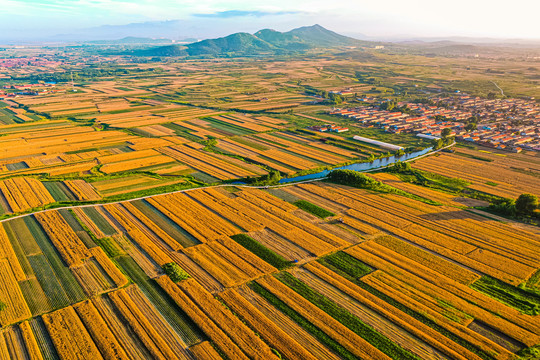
[379, 18]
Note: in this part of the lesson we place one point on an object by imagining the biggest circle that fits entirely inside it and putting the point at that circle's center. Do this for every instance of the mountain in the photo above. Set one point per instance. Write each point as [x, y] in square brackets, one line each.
[264, 41]
[322, 37]
[243, 43]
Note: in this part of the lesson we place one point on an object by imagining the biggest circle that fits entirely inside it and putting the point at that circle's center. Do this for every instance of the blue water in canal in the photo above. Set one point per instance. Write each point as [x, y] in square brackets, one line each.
[359, 166]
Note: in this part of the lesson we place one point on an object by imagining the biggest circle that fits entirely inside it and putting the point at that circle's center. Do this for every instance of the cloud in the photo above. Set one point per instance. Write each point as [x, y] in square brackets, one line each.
[242, 13]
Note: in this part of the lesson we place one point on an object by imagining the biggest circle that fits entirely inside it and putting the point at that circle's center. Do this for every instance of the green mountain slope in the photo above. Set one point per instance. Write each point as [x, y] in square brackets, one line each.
[265, 41]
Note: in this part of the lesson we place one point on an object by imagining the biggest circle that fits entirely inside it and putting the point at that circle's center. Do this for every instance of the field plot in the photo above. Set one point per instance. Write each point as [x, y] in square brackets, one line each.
[507, 176]
[211, 165]
[285, 152]
[123, 185]
[21, 194]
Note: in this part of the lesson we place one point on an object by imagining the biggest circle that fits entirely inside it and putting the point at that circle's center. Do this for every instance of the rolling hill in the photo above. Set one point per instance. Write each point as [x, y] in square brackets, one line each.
[265, 41]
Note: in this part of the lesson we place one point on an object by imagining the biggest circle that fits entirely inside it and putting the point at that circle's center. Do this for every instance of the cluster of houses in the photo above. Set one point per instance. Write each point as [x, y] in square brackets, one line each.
[491, 110]
[398, 122]
[509, 124]
[506, 137]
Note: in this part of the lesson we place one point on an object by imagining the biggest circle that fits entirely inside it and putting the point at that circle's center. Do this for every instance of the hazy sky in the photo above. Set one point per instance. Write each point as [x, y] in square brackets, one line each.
[490, 18]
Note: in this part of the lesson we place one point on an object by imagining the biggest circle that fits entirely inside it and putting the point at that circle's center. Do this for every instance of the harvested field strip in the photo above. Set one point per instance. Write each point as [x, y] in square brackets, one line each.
[224, 210]
[92, 277]
[302, 237]
[30, 342]
[82, 190]
[458, 295]
[267, 198]
[206, 163]
[502, 263]
[268, 330]
[233, 148]
[100, 332]
[69, 245]
[344, 317]
[193, 217]
[327, 330]
[141, 326]
[406, 321]
[123, 333]
[135, 164]
[225, 344]
[260, 266]
[387, 287]
[313, 153]
[326, 238]
[138, 234]
[316, 199]
[222, 270]
[205, 351]
[243, 336]
[232, 257]
[449, 269]
[167, 208]
[424, 274]
[110, 269]
[70, 337]
[443, 250]
[169, 226]
[85, 220]
[166, 307]
[280, 245]
[147, 323]
[11, 295]
[197, 272]
[7, 252]
[172, 243]
[360, 226]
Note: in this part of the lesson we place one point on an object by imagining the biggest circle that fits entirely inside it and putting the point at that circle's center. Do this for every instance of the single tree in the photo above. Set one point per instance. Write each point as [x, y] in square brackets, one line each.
[446, 132]
[526, 204]
[471, 126]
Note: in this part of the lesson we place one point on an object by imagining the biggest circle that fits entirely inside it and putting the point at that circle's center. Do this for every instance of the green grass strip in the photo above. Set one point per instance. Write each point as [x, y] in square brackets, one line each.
[313, 209]
[303, 322]
[262, 251]
[347, 264]
[519, 299]
[365, 331]
[418, 316]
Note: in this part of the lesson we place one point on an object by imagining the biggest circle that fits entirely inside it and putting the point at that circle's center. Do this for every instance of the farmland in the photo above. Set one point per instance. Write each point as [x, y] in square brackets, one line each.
[141, 217]
[176, 126]
[312, 270]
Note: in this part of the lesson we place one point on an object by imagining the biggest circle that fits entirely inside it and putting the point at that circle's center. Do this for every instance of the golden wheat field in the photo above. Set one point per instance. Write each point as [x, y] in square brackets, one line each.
[143, 216]
[382, 276]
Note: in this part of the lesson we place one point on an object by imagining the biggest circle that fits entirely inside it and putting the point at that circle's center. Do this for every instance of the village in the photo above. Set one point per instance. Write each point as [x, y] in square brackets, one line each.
[505, 124]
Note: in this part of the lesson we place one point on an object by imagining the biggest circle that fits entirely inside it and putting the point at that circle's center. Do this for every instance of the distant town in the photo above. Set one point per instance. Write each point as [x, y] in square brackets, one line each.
[505, 124]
